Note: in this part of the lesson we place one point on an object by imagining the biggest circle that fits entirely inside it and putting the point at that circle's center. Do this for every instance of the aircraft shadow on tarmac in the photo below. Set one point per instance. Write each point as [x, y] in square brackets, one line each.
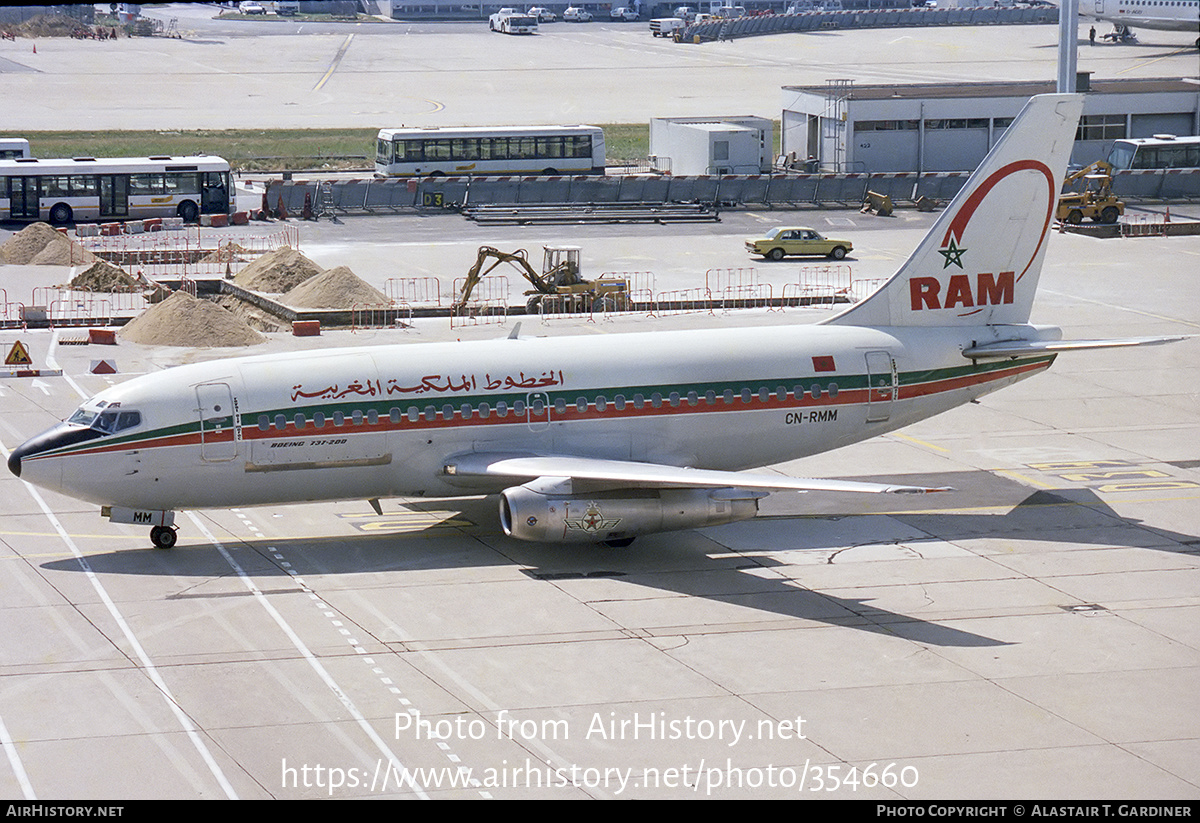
[683, 563]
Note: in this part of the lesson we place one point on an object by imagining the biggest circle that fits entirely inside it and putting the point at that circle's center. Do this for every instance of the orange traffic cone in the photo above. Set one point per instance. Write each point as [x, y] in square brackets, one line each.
[1167, 219]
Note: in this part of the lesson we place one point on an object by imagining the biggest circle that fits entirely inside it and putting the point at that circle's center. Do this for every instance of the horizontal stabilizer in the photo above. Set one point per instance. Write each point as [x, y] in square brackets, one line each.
[648, 475]
[1018, 348]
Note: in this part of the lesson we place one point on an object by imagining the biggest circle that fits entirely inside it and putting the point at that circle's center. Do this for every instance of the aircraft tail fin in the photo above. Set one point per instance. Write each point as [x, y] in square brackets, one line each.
[980, 263]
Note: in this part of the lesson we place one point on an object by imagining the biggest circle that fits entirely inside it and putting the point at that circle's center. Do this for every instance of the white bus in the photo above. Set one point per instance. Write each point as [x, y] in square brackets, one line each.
[501, 150]
[114, 188]
[511, 21]
[14, 147]
[1163, 151]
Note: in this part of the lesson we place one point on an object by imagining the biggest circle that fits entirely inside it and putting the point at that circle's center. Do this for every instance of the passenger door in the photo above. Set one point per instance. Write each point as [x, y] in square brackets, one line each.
[217, 440]
[881, 386]
[114, 195]
[24, 197]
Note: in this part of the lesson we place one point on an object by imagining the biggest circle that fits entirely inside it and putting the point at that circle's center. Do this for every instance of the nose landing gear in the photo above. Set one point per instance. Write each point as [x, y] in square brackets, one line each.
[163, 537]
[162, 523]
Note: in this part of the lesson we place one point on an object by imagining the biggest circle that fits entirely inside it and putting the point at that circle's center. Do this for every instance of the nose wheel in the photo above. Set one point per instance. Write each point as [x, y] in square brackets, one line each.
[163, 537]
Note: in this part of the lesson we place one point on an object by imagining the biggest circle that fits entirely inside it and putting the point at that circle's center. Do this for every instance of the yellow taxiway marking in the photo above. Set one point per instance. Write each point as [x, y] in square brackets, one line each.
[337, 59]
[912, 439]
[1024, 479]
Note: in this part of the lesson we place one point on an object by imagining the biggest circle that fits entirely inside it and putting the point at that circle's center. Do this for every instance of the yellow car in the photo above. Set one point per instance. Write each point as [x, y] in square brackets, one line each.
[783, 241]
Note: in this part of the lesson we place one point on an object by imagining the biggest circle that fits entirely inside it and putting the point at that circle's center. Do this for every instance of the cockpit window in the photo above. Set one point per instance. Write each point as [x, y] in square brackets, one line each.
[83, 417]
[108, 421]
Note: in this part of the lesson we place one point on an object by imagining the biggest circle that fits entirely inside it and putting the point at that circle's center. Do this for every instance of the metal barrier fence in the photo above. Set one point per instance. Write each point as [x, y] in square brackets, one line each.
[420, 291]
[478, 314]
[79, 311]
[552, 307]
[72, 302]
[189, 251]
[782, 190]
[640, 284]
[863, 19]
[681, 301]
[380, 315]
[13, 313]
[487, 290]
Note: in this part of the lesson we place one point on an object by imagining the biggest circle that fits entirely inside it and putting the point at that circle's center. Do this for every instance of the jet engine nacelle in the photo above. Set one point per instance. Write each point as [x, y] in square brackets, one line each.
[551, 516]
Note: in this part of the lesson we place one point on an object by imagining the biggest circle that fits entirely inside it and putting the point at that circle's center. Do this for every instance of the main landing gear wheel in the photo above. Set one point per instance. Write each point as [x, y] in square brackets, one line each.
[163, 537]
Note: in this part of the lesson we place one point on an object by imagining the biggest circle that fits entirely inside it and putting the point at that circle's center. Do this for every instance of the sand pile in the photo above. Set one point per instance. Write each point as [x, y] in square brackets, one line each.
[104, 276]
[278, 271]
[48, 25]
[338, 288]
[40, 245]
[183, 320]
[230, 252]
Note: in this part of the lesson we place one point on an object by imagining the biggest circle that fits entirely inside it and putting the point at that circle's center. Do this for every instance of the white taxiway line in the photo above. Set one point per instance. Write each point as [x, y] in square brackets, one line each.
[147, 666]
[345, 700]
[14, 760]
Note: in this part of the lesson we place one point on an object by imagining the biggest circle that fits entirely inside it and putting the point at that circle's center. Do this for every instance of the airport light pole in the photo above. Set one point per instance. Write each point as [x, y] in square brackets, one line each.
[1068, 45]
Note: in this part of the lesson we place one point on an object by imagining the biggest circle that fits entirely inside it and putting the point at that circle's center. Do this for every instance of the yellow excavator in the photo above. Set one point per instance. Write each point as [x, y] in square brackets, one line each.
[559, 277]
[1096, 202]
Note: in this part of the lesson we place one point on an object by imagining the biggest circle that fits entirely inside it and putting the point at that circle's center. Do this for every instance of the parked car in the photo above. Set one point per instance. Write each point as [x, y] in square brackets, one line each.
[784, 240]
[624, 13]
[248, 7]
[577, 15]
[542, 15]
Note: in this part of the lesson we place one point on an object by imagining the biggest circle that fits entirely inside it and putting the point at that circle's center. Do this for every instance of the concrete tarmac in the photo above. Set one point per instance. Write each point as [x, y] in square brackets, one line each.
[378, 75]
[1031, 635]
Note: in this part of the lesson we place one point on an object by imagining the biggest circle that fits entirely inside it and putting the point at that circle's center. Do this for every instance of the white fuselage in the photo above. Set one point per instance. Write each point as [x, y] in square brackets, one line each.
[1166, 15]
[382, 422]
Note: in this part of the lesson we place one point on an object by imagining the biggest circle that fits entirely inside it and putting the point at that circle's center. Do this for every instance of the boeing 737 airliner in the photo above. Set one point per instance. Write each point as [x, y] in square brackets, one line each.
[585, 443]
[1163, 15]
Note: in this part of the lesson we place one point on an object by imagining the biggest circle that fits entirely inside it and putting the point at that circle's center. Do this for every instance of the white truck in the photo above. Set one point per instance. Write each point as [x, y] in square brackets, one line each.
[666, 26]
[511, 21]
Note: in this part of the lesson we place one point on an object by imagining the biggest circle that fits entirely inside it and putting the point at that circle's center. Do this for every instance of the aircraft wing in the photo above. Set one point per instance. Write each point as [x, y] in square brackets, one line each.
[650, 475]
[1017, 348]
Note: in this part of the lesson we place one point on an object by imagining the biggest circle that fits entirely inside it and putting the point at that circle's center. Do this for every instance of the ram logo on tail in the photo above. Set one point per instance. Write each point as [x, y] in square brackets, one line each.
[980, 262]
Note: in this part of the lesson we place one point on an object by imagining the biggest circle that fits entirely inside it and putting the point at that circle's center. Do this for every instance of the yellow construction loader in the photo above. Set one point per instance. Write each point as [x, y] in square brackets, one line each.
[1096, 202]
[559, 277]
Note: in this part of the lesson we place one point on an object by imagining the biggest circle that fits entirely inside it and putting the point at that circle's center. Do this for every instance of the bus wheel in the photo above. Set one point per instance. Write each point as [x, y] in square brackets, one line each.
[60, 213]
[188, 211]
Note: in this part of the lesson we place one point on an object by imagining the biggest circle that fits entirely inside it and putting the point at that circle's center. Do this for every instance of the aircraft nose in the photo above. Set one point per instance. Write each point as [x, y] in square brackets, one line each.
[53, 438]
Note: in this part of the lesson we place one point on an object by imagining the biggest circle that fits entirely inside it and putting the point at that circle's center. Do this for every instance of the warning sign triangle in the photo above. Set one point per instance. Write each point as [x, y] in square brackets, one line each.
[18, 355]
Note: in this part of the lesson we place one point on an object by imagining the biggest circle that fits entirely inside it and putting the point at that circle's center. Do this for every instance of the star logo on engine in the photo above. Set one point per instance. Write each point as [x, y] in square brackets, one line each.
[953, 254]
[593, 521]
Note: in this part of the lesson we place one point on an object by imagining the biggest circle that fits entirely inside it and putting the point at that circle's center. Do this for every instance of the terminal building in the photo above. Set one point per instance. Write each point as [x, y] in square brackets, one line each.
[845, 127]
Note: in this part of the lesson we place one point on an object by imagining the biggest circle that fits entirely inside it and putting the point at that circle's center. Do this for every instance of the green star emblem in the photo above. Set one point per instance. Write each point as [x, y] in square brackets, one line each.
[953, 254]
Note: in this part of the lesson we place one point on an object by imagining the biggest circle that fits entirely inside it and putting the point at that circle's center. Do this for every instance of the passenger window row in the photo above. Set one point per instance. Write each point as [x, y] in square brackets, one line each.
[519, 408]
